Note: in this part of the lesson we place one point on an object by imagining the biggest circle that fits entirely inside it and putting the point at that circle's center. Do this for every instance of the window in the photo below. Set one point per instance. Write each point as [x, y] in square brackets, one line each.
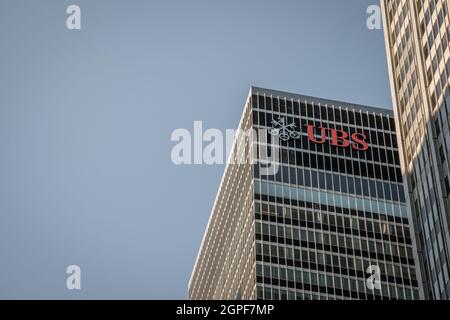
[447, 185]
[438, 129]
[441, 153]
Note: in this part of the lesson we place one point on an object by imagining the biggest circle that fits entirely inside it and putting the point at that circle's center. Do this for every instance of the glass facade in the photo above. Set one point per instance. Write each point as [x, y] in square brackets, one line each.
[417, 35]
[331, 210]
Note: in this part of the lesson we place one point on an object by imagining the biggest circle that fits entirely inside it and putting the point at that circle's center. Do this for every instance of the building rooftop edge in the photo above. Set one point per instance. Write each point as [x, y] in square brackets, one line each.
[296, 96]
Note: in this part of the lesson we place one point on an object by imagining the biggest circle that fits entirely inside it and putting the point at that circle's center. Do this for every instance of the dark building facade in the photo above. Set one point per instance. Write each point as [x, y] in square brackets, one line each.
[330, 214]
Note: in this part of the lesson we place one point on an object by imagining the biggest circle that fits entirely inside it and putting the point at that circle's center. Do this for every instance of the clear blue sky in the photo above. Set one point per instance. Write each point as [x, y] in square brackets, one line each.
[86, 116]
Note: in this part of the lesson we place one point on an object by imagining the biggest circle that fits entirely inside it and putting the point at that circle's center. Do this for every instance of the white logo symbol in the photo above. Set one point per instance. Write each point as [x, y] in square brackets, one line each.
[285, 131]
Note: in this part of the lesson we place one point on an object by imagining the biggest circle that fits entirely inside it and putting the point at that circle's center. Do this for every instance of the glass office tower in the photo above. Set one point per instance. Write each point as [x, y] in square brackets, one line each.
[417, 34]
[328, 214]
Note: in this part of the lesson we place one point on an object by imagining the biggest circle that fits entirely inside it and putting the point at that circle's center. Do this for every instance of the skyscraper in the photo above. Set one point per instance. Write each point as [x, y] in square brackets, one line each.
[316, 211]
[417, 35]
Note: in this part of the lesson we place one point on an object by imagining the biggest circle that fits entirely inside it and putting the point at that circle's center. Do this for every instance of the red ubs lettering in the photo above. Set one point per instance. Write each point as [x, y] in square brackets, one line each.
[339, 138]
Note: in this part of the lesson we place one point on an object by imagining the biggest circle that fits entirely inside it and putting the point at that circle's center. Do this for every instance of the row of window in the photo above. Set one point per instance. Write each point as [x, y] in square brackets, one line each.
[358, 265]
[328, 113]
[329, 223]
[284, 200]
[334, 248]
[389, 272]
[339, 243]
[335, 182]
[350, 242]
[278, 272]
[331, 199]
[333, 164]
[268, 292]
[295, 214]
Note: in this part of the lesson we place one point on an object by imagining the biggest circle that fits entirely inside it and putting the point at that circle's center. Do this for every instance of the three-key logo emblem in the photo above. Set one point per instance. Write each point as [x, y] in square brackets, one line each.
[285, 131]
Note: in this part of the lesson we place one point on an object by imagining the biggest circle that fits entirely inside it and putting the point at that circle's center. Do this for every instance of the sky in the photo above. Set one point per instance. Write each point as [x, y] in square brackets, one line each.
[86, 117]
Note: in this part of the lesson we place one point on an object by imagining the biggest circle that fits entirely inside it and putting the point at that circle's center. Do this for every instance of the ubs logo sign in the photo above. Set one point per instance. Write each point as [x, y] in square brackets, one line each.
[285, 131]
[337, 138]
